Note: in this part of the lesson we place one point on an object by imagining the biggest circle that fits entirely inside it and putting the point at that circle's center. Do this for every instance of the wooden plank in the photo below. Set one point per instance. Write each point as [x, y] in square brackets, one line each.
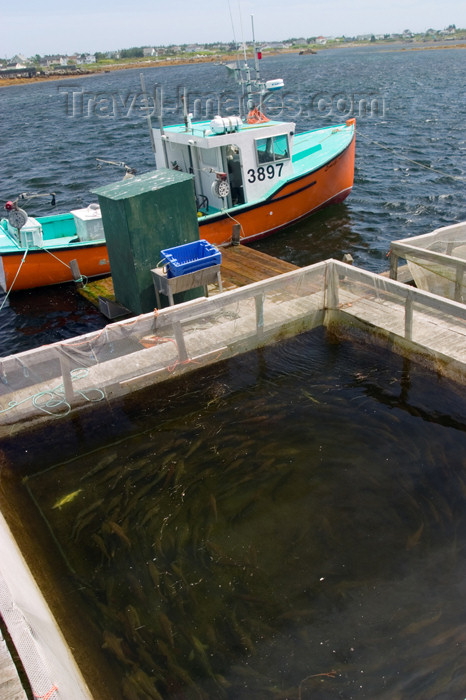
[241, 265]
[260, 264]
[240, 274]
[437, 334]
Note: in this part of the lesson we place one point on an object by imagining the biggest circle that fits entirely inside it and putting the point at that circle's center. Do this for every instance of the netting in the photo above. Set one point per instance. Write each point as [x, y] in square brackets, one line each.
[50, 382]
[437, 260]
[127, 355]
[409, 318]
[46, 660]
[22, 635]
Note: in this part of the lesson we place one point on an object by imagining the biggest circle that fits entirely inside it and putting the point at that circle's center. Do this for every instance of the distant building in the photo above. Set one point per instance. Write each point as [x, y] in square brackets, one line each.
[19, 60]
[54, 60]
[86, 58]
[149, 51]
[14, 65]
[276, 45]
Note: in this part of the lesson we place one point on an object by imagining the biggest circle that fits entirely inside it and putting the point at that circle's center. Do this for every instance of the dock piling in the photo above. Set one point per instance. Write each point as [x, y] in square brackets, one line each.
[77, 277]
[236, 234]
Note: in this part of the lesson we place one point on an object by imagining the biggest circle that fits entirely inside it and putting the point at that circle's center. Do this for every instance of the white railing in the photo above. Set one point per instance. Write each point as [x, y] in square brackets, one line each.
[437, 260]
[51, 381]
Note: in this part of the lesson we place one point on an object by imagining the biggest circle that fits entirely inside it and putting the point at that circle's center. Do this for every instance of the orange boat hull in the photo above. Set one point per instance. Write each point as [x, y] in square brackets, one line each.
[41, 268]
[329, 184]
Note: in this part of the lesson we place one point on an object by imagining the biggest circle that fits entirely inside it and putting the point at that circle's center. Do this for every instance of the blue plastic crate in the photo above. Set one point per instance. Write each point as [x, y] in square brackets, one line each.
[190, 257]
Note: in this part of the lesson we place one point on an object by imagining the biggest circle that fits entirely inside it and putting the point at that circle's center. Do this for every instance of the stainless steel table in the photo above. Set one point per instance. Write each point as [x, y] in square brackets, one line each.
[172, 285]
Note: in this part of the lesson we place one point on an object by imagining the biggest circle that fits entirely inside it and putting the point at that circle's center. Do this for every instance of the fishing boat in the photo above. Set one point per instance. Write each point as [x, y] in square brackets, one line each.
[255, 171]
[258, 173]
[247, 170]
[37, 252]
[40, 252]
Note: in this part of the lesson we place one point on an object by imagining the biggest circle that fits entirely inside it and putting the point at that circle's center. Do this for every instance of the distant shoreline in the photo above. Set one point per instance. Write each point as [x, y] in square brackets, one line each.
[107, 69]
[8, 82]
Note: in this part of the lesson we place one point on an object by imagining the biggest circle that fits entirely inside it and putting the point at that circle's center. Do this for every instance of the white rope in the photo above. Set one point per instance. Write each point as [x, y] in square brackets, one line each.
[54, 256]
[83, 278]
[12, 284]
[55, 397]
[224, 211]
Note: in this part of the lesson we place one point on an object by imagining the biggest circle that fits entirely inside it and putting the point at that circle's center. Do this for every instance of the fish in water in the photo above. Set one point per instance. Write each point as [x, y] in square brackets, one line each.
[116, 645]
[414, 539]
[66, 499]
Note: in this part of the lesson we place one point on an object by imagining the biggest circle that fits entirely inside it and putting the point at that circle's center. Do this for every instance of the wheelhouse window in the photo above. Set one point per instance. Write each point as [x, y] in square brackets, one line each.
[272, 149]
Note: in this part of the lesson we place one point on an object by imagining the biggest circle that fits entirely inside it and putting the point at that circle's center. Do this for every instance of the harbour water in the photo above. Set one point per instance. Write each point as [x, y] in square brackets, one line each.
[407, 103]
[224, 544]
[289, 524]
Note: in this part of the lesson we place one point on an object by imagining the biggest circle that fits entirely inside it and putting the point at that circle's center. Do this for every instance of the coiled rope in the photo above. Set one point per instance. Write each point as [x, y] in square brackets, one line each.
[54, 398]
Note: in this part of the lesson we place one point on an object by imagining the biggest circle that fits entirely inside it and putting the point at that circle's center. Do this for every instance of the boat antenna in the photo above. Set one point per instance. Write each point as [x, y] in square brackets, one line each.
[238, 67]
[242, 34]
[232, 25]
[247, 83]
[256, 56]
[186, 116]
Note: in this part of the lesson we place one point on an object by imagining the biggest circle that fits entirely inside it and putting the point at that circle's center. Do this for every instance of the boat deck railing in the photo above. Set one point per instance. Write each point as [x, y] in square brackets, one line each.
[53, 381]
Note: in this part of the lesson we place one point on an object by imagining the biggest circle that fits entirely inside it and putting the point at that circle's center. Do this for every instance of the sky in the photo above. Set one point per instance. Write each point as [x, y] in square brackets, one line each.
[87, 26]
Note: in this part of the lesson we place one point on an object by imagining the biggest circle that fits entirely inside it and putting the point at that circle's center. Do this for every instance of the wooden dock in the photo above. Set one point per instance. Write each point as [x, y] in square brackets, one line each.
[240, 266]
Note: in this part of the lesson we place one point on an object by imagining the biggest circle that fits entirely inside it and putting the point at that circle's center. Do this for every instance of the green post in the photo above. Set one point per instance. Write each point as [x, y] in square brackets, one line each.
[142, 216]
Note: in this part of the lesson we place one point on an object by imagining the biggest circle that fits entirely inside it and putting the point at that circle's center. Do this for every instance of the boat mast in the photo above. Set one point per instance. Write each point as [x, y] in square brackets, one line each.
[257, 81]
[251, 86]
[256, 56]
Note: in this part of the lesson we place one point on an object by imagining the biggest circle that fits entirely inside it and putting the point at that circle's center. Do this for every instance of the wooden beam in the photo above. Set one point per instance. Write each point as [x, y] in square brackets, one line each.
[241, 265]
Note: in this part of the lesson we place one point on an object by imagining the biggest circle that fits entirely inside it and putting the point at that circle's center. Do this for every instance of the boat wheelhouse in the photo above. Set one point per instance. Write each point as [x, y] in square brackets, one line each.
[260, 174]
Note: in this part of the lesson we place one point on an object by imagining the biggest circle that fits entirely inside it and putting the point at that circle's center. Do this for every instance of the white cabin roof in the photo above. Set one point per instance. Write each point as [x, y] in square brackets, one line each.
[200, 133]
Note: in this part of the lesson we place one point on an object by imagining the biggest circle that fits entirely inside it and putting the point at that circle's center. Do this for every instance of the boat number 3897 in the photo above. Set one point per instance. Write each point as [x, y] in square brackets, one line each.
[262, 173]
